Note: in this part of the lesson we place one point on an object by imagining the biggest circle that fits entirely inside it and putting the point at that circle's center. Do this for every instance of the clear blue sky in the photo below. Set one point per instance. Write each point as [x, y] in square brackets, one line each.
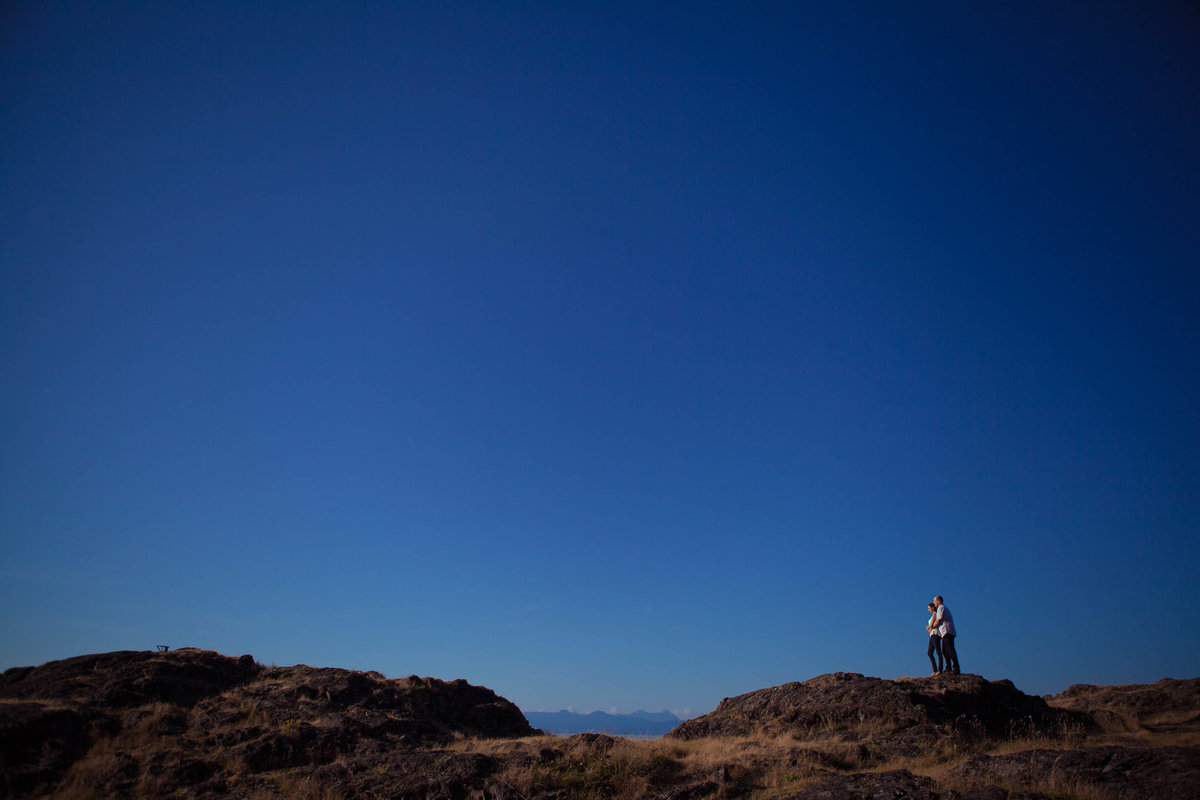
[607, 355]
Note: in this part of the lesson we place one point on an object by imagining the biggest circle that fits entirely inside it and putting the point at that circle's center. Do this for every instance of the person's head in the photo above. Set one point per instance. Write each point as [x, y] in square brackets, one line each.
[937, 601]
[932, 607]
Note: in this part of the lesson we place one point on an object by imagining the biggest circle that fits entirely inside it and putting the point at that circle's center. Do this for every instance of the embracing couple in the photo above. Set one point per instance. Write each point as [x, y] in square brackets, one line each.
[941, 637]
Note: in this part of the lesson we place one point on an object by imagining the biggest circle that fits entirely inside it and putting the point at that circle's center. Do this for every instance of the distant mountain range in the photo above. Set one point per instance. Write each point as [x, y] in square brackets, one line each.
[639, 723]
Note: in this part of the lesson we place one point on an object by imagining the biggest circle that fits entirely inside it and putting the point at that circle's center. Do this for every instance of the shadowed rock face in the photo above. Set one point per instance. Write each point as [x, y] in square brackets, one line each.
[39, 741]
[189, 717]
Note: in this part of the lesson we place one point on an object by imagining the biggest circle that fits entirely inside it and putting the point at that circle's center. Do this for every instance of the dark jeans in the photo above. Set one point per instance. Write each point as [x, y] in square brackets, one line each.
[950, 653]
[935, 646]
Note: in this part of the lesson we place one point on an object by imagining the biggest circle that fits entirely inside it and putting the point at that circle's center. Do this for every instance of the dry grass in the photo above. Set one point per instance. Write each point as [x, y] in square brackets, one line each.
[609, 768]
[273, 788]
[759, 766]
[1176, 727]
[105, 758]
[1168, 729]
[1176, 730]
[755, 767]
[764, 766]
[152, 722]
[34, 701]
[120, 764]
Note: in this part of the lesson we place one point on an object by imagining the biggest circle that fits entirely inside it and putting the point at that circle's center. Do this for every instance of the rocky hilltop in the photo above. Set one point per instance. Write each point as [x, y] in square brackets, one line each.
[198, 724]
[913, 711]
[147, 724]
[957, 720]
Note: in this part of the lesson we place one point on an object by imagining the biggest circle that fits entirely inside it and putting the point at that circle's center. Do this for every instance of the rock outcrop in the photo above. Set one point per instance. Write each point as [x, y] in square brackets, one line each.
[911, 712]
[1157, 707]
[195, 718]
[1117, 772]
[130, 678]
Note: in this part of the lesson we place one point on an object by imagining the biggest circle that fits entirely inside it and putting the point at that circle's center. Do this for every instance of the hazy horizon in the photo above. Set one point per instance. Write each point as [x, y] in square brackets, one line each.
[605, 355]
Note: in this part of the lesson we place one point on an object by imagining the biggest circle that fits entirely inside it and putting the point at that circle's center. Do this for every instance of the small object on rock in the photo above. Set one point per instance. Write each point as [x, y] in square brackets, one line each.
[162, 648]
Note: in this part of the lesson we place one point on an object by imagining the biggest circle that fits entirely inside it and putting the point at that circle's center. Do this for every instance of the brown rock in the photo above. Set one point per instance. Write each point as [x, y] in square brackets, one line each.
[1160, 707]
[1130, 773]
[185, 718]
[871, 786]
[131, 678]
[967, 704]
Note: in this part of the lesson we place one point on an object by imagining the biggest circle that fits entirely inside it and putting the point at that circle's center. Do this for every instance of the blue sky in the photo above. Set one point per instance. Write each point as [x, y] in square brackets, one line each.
[609, 355]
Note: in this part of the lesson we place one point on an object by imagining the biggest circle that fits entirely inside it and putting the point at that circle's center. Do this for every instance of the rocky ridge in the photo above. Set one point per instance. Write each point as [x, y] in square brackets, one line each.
[197, 724]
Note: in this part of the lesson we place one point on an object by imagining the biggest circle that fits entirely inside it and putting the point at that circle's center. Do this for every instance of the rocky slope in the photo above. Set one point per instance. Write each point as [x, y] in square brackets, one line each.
[197, 724]
[1163, 707]
[143, 724]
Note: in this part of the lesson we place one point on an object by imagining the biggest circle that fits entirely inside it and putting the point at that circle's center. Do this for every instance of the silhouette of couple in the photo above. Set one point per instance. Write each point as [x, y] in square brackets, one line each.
[941, 638]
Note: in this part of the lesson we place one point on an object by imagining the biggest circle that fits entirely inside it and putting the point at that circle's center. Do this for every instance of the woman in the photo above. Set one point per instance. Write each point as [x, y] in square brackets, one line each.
[935, 641]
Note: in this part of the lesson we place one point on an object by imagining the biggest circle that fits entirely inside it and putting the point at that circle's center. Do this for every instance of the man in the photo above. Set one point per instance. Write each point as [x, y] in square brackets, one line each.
[945, 629]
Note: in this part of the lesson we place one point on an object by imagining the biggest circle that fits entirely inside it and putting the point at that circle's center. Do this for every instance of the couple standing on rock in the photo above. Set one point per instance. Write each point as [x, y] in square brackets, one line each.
[941, 637]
